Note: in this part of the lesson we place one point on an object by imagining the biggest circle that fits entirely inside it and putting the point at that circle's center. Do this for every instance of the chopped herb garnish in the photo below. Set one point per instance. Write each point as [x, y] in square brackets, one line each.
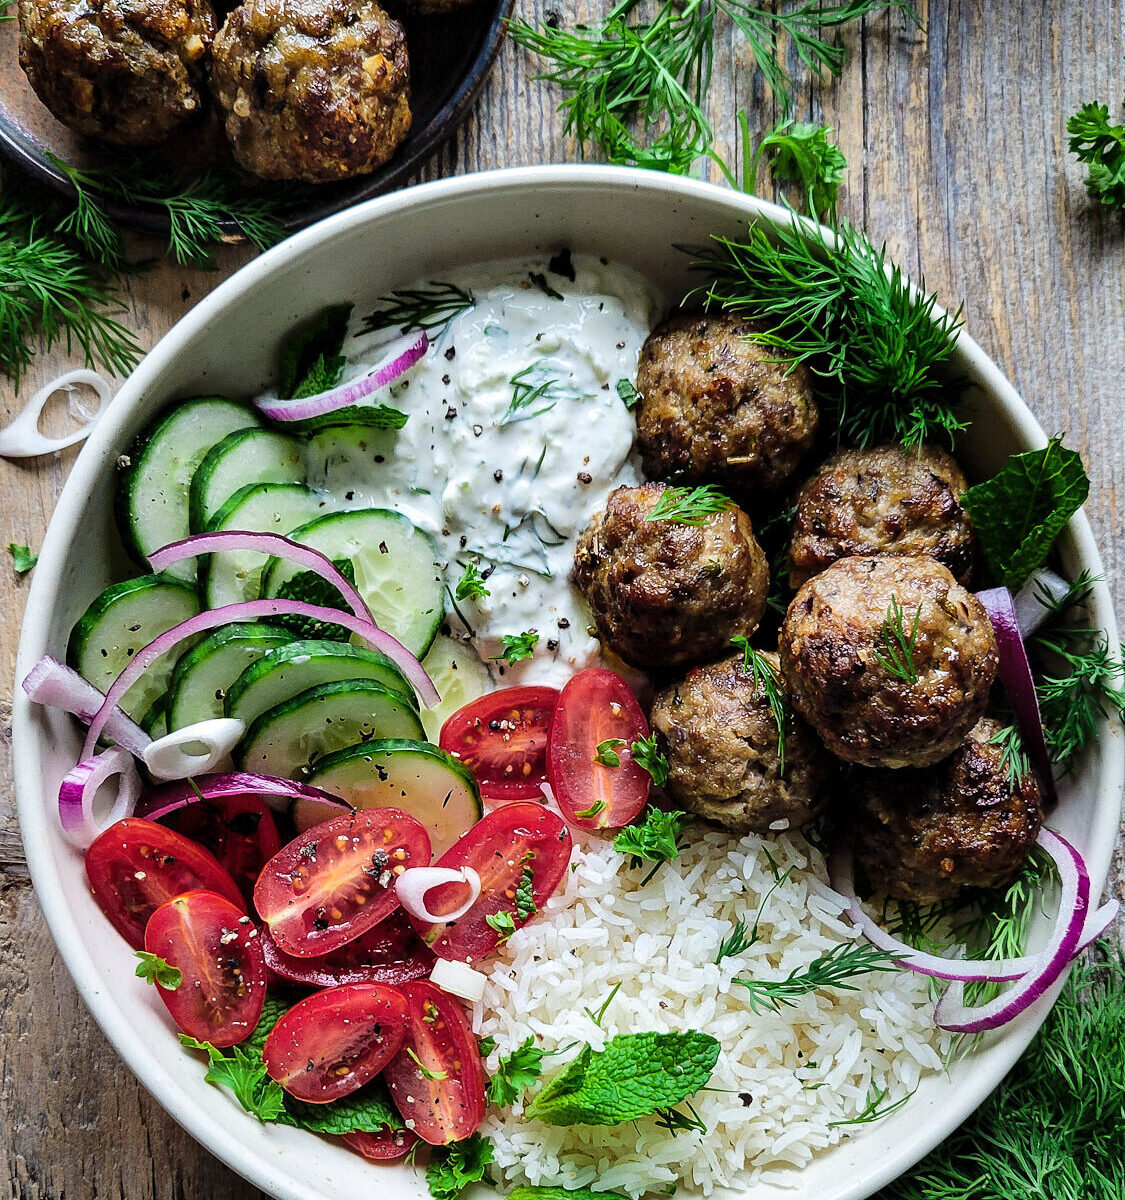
[426, 1073]
[525, 895]
[689, 505]
[540, 281]
[154, 969]
[767, 680]
[675, 1121]
[836, 968]
[897, 654]
[606, 753]
[646, 754]
[424, 309]
[874, 1108]
[736, 941]
[1013, 757]
[599, 806]
[487, 1045]
[471, 585]
[527, 395]
[628, 394]
[503, 922]
[515, 1074]
[517, 646]
[23, 559]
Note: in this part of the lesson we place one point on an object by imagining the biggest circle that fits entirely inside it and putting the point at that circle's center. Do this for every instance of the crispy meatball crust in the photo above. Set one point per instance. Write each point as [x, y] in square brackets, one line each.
[884, 500]
[715, 409]
[832, 641]
[666, 594]
[312, 89]
[717, 729]
[126, 72]
[926, 835]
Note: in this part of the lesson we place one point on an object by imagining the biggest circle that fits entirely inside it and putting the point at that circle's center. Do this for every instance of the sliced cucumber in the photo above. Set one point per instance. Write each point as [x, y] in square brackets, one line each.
[241, 458]
[123, 619]
[152, 491]
[459, 676]
[426, 782]
[282, 673]
[155, 721]
[231, 577]
[288, 738]
[205, 673]
[340, 454]
[396, 569]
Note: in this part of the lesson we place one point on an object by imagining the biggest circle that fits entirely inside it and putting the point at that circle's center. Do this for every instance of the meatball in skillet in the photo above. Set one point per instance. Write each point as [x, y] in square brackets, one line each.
[127, 71]
[312, 89]
[664, 593]
[926, 835]
[890, 660]
[883, 500]
[721, 739]
[715, 408]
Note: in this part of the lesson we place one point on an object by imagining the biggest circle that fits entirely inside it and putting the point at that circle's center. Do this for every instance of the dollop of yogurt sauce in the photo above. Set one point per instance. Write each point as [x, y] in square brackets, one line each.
[516, 433]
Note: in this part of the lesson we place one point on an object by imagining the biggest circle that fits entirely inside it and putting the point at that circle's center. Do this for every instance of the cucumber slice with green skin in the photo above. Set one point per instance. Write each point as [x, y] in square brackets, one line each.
[288, 739]
[123, 619]
[396, 570]
[152, 490]
[241, 458]
[234, 576]
[288, 670]
[205, 673]
[155, 721]
[422, 780]
[459, 676]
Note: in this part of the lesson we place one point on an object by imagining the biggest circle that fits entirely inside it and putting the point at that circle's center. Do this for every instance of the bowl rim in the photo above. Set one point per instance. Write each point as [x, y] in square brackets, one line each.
[208, 1127]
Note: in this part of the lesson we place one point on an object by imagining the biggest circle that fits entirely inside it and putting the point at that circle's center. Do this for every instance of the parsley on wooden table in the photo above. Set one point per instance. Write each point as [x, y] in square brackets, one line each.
[23, 558]
[1099, 142]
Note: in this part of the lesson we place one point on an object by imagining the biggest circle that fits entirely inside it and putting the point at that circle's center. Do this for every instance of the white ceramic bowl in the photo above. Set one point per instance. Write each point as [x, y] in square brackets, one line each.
[226, 344]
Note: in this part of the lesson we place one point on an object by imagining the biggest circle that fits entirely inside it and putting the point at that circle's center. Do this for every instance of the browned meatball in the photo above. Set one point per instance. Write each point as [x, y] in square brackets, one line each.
[872, 700]
[665, 594]
[720, 735]
[885, 500]
[715, 408]
[312, 89]
[127, 71]
[925, 835]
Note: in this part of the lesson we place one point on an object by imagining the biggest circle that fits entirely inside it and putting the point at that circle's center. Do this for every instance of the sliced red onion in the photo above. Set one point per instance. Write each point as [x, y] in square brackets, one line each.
[80, 786]
[1019, 686]
[401, 356]
[1032, 600]
[277, 793]
[256, 610]
[951, 1012]
[193, 749]
[51, 683]
[413, 884]
[263, 543]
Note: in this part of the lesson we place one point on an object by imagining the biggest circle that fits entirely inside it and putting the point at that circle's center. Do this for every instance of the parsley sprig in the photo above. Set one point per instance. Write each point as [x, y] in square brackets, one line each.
[471, 585]
[801, 154]
[515, 1073]
[1100, 144]
[154, 969]
[452, 1168]
[655, 839]
[517, 647]
[896, 656]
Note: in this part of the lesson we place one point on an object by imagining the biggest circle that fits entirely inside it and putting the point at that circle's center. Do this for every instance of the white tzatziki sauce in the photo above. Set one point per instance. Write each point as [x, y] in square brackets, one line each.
[516, 434]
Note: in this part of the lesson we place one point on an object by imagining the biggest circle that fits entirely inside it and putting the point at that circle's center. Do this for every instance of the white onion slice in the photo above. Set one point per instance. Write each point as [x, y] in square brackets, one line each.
[50, 682]
[194, 749]
[1031, 611]
[413, 884]
[22, 439]
[80, 787]
[458, 979]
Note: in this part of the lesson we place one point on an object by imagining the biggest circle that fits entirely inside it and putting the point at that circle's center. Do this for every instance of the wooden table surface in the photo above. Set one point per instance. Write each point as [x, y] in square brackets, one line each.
[958, 149]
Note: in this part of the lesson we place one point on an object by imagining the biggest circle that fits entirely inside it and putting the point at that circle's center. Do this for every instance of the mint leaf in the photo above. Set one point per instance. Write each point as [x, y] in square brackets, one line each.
[154, 969]
[636, 1074]
[452, 1168]
[310, 360]
[1018, 513]
[23, 559]
[272, 1011]
[367, 1110]
[310, 587]
[245, 1074]
[515, 1074]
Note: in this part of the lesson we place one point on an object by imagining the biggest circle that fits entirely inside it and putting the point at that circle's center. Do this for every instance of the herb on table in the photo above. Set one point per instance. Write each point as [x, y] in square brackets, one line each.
[503, 922]
[452, 1168]
[1020, 511]
[154, 969]
[515, 1074]
[471, 584]
[647, 755]
[655, 839]
[1101, 146]
[835, 968]
[422, 309]
[689, 505]
[897, 654]
[875, 343]
[606, 753]
[629, 394]
[801, 153]
[540, 281]
[634, 1076]
[873, 1109]
[526, 394]
[768, 682]
[23, 558]
[517, 647]
[310, 361]
[526, 907]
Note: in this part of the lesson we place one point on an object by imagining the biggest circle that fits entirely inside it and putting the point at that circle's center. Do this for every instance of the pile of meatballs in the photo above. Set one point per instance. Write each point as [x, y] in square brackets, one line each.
[317, 90]
[902, 763]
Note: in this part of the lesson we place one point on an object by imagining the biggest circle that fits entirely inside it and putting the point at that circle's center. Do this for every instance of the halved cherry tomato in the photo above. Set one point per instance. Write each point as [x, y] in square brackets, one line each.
[384, 1146]
[335, 1041]
[437, 1078]
[219, 955]
[391, 952]
[502, 739]
[336, 881]
[136, 865]
[512, 840]
[238, 830]
[597, 706]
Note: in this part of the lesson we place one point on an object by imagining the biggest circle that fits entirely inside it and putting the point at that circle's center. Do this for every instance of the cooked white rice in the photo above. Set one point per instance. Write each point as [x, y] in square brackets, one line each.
[782, 1078]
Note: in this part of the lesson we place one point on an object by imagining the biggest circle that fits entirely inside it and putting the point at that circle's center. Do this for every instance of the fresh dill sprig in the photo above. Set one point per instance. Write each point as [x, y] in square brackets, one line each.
[424, 309]
[1013, 757]
[874, 1108]
[689, 505]
[598, 1016]
[517, 647]
[768, 682]
[674, 1121]
[876, 344]
[897, 654]
[738, 940]
[526, 394]
[800, 153]
[835, 968]
[471, 585]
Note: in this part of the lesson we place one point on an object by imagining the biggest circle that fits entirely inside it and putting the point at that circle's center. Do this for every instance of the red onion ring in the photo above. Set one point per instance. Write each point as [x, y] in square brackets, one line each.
[263, 543]
[415, 882]
[80, 786]
[255, 610]
[1019, 686]
[277, 793]
[51, 683]
[402, 355]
